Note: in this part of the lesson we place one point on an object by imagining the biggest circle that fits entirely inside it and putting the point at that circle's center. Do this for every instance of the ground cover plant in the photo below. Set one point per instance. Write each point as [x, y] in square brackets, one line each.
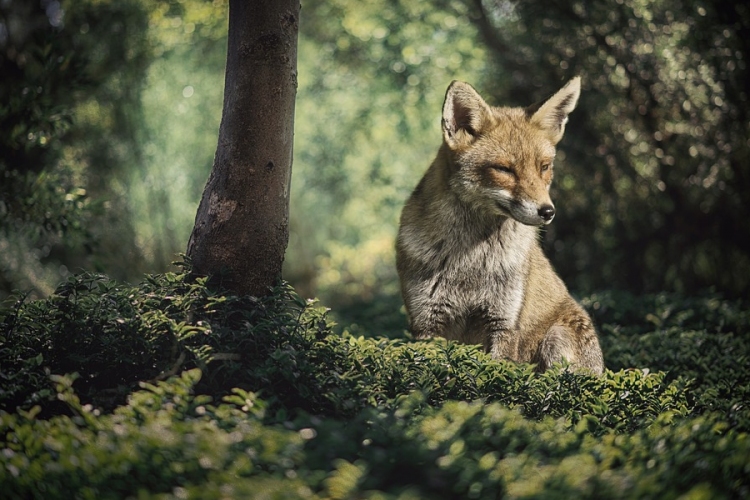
[170, 389]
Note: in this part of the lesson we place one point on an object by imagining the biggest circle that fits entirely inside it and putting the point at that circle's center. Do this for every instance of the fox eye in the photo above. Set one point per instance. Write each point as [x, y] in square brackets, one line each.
[502, 168]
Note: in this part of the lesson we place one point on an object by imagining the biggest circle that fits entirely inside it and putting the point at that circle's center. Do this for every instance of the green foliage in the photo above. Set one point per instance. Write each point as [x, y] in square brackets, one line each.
[115, 336]
[70, 70]
[654, 173]
[375, 74]
[118, 105]
[176, 139]
[106, 122]
[239, 395]
[165, 440]
[652, 176]
[107, 130]
[118, 335]
[700, 339]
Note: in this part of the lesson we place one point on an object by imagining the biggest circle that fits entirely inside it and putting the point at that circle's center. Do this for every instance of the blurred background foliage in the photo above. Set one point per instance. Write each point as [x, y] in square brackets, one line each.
[109, 114]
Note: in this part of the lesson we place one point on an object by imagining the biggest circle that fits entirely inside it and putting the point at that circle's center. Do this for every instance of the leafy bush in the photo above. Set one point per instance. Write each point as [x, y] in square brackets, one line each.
[700, 339]
[304, 411]
[115, 336]
[167, 441]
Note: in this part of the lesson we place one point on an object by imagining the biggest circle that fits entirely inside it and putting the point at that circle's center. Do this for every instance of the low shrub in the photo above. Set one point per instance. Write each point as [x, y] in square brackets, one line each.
[700, 340]
[167, 441]
[304, 410]
[282, 347]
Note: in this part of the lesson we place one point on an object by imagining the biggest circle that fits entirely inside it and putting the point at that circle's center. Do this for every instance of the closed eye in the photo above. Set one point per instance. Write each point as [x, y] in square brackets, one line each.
[546, 166]
[502, 168]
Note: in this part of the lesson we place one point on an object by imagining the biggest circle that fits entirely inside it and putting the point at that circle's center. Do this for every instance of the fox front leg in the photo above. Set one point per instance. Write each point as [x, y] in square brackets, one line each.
[573, 341]
[504, 345]
[431, 320]
[500, 339]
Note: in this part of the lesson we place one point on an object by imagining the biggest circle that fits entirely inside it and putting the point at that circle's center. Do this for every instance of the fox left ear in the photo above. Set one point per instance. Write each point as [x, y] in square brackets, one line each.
[465, 115]
[552, 115]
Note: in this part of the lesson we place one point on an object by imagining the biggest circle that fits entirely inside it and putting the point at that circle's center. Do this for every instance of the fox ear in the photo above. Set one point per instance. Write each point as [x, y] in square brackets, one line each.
[552, 115]
[465, 115]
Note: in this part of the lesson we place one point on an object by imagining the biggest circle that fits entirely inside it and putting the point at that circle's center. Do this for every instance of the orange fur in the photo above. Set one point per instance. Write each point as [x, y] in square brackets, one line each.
[468, 255]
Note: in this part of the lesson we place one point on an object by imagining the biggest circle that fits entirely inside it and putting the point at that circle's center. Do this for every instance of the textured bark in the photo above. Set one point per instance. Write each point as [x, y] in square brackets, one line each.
[241, 228]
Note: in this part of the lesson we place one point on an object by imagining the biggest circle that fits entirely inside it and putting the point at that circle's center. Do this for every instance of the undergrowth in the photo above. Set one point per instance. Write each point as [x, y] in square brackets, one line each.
[169, 387]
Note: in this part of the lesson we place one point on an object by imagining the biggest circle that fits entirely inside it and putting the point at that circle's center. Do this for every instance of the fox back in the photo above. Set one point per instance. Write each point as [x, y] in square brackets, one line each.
[468, 255]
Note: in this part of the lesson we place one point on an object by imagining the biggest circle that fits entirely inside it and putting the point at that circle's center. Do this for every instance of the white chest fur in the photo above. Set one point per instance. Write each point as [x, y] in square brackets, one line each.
[470, 265]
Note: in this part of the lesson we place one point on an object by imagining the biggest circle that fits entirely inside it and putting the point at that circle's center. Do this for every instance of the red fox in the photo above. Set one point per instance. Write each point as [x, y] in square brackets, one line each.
[468, 256]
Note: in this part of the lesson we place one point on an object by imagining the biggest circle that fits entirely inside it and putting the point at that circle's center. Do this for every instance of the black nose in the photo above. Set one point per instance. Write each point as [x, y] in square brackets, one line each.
[547, 212]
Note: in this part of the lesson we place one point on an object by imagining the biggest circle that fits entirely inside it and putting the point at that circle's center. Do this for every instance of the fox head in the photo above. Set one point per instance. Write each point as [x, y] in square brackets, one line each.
[502, 158]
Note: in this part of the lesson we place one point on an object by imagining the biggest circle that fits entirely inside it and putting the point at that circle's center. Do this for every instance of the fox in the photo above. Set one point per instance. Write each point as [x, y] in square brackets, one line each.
[468, 255]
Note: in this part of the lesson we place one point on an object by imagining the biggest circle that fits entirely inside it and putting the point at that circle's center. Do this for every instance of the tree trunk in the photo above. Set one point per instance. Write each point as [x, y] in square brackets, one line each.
[241, 228]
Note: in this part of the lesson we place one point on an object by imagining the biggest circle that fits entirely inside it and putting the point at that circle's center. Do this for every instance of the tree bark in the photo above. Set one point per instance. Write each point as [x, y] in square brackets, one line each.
[241, 228]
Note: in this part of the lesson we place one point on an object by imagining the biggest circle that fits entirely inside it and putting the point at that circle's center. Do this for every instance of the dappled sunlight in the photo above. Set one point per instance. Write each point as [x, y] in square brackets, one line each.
[372, 80]
[125, 106]
[182, 101]
[185, 389]
[122, 383]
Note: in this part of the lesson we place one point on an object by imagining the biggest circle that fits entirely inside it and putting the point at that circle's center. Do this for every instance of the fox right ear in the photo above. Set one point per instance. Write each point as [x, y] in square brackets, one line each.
[465, 115]
[552, 115]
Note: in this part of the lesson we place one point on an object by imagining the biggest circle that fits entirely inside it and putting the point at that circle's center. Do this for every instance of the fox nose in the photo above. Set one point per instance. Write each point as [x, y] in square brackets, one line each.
[547, 213]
